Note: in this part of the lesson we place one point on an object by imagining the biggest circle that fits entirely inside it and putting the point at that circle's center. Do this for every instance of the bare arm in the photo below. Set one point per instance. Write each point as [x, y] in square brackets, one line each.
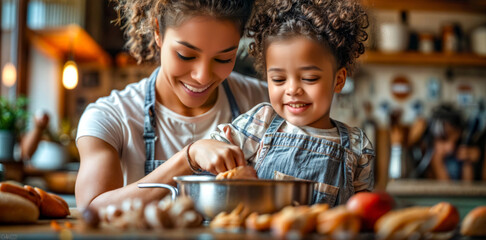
[100, 178]
[437, 163]
[31, 140]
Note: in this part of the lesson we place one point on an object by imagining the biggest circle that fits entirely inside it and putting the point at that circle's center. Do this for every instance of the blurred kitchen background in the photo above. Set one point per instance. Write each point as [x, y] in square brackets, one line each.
[423, 57]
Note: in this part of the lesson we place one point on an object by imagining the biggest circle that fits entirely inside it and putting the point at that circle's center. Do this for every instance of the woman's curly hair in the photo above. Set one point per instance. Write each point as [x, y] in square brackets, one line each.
[339, 25]
[138, 17]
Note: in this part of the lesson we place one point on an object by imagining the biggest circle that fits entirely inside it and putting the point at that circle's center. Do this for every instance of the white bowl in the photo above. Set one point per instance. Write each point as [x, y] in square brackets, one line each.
[49, 156]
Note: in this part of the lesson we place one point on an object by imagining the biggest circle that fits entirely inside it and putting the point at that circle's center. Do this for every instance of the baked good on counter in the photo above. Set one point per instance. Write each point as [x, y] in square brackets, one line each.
[258, 222]
[339, 221]
[474, 223]
[49, 205]
[298, 220]
[26, 192]
[185, 214]
[447, 217]
[438, 221]
[241, 172]
[158, 216]
[133, 214]
[233, 220]
[17, 209]
[407, 223]
[130, 215]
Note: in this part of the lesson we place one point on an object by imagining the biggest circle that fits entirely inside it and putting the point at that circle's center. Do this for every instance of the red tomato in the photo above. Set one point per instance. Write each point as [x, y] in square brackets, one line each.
[370, 206]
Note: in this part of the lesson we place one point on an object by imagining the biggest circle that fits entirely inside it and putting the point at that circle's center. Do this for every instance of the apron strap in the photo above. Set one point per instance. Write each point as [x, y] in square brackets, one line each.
[275, 124]
[273, 128]
[343, 133]
[235, 111]
[149, 135]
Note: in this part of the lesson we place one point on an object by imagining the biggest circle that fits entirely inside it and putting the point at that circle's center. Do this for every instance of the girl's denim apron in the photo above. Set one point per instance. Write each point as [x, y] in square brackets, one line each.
[149, 134]
[290, 156]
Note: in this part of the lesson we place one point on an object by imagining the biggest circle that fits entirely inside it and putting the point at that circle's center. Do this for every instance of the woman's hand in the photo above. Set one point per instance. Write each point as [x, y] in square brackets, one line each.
[215, 156]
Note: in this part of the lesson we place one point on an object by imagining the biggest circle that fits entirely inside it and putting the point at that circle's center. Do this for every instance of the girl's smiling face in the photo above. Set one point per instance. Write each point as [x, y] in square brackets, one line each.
[195, 58]
[302, 80]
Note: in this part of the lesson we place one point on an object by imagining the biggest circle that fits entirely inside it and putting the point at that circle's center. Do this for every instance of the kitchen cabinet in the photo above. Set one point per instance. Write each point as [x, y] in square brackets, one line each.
[461, 59]
[449, 71]
[421, 59]
[474, 6]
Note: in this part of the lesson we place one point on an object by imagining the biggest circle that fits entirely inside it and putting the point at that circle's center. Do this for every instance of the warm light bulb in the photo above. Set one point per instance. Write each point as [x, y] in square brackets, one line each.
[9, 75]
[70, 75]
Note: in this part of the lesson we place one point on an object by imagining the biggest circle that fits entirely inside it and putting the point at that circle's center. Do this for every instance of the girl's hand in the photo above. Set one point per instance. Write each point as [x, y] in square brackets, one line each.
[227, 132]
[215, 156]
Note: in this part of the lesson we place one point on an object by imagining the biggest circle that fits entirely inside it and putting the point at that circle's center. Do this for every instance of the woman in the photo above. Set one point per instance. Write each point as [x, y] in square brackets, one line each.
[125, 137]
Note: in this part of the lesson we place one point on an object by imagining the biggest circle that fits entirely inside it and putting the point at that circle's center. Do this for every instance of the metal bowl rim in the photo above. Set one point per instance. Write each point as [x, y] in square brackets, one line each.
[212, 179]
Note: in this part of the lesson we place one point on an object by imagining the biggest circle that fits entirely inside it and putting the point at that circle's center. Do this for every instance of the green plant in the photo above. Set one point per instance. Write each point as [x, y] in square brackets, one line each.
[13, 115]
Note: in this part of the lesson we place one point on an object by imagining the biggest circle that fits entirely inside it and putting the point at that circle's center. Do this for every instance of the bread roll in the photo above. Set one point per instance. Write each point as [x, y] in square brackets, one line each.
[258, 222]
[156, 217]
[52, 206]
[447, 217]
[233, 220]
[16, 209]
[25, 192]
[405, 223]
[474, 224]
[241, 172]
[291, 220]
[338, 221]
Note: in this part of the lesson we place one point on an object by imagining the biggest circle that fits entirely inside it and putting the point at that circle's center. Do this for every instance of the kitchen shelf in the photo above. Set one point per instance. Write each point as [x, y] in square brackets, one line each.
[472, 6]
[417, 58]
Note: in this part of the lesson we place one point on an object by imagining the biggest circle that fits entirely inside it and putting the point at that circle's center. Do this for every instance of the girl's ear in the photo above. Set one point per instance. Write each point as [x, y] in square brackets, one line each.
[340, 80]
[158, 39]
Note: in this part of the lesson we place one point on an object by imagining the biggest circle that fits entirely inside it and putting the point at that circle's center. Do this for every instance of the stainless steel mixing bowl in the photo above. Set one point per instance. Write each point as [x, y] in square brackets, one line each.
[213, 196]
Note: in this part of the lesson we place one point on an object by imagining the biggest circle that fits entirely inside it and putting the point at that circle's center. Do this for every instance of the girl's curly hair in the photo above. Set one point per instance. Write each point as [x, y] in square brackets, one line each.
[339, 25]
[138, 17]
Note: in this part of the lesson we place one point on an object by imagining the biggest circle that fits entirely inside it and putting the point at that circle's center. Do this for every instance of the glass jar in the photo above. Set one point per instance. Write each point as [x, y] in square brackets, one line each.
[450, 41]
[426, 43]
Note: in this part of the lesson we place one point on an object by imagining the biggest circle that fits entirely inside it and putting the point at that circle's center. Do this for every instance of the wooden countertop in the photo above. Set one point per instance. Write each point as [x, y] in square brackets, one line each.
[43, 230]
[423, 187]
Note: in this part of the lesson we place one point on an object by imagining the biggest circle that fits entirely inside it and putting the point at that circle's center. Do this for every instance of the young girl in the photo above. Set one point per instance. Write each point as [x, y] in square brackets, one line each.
[305, 49]
[123, 138]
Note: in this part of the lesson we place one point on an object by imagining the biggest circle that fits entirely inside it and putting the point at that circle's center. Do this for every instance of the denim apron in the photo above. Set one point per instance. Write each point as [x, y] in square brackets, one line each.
[149, 134]
[286, 156]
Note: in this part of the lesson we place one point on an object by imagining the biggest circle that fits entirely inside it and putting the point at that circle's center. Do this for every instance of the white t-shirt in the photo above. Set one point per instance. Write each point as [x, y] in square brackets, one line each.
[118, 119]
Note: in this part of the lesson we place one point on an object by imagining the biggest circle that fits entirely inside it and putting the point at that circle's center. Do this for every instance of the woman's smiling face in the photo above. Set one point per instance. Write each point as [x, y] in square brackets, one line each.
[302, 80]
[195, 58]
